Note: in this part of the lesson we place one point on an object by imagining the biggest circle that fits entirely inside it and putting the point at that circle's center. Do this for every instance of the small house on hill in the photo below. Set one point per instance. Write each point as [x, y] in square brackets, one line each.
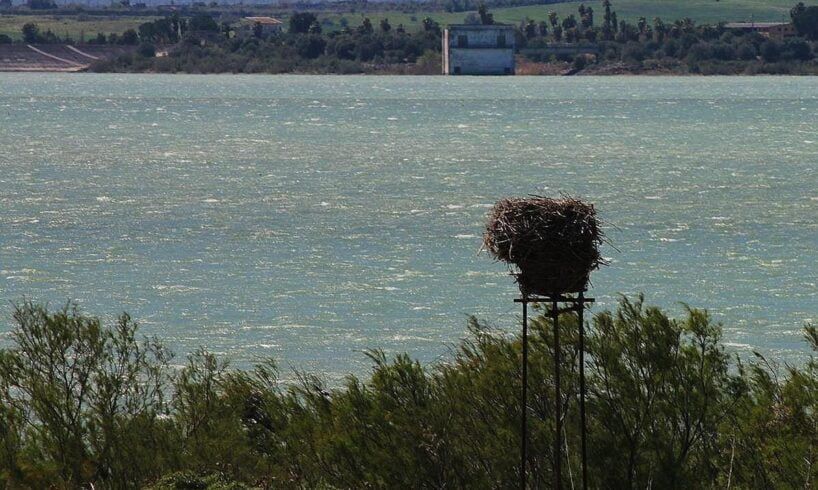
[264, 26]
[478, 50]
[773, 30]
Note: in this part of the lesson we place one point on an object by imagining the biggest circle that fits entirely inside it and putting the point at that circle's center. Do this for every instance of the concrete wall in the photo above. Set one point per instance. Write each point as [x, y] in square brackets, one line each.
[488, 50]
[481, 62]
[247, 29]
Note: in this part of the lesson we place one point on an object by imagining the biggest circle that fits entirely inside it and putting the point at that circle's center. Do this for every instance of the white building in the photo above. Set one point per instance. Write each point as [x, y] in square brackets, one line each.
[478, 50]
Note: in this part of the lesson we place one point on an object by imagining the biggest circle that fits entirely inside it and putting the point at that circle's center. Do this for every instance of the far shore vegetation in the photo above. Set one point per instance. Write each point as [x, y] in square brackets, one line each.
[87, 405]
[592, 40]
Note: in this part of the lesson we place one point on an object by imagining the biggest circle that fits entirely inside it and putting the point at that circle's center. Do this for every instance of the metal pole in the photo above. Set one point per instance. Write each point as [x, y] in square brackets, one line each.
[557, 399]
[524, 400]
[580, 312]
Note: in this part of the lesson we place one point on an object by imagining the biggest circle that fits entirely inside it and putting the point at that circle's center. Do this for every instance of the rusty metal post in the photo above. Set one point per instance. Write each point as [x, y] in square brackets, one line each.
[555, 312]
[584, 427]
[524, 400]
[578, 305]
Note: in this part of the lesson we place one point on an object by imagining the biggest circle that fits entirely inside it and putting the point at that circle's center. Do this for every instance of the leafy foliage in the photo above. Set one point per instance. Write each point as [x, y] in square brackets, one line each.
[41, 4]
[300, 22]
[85, 400]
[805, 20]
[304, 49]
[594, 44]
[82, 404]
[677, 47]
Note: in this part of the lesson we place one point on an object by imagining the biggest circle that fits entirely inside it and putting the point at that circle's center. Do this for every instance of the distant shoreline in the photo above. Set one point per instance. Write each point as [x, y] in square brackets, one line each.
[645, 74]
[92, 58]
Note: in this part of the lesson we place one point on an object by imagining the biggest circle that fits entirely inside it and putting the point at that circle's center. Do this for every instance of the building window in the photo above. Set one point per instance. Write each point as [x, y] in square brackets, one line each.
[501, 41]
[462, 41]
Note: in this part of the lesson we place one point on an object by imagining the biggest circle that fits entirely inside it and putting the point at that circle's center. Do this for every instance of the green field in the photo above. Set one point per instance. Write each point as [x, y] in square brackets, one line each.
[701, 11]
[74, 26]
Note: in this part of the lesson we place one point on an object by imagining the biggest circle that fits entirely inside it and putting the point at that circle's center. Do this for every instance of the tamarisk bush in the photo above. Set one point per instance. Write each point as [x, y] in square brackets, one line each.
[85, 404]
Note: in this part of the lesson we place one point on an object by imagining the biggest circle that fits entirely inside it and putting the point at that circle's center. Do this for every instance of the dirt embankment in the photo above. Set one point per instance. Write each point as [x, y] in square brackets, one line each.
[55, 57]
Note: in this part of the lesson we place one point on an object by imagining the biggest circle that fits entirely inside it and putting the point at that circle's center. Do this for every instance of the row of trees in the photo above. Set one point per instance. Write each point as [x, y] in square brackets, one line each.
[805, 20]
[582, 27]
[32, 34]
[202, 46]
[681, 44]
[467, 5]
[83, 404]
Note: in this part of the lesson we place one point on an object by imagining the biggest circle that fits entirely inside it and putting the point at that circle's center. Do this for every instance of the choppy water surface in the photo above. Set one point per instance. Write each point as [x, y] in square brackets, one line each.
[308, 218]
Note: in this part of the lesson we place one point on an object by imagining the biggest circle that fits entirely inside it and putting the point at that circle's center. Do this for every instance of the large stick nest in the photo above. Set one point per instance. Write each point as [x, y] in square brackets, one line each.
[553, 242]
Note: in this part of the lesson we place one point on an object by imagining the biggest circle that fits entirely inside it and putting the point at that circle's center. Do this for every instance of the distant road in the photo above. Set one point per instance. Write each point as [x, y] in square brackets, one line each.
[56, 57]
[83, 53]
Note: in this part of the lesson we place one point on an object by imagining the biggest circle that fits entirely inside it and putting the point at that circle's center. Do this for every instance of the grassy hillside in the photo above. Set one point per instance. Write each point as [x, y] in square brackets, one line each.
[702, 11]
[71, 25]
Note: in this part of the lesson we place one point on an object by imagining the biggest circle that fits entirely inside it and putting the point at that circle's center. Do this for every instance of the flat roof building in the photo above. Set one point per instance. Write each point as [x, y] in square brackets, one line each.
[773, 30]
[261, 25]
[478, 50]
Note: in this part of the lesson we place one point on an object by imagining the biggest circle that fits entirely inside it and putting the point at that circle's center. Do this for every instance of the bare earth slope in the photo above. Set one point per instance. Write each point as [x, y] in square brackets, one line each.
[54, 57]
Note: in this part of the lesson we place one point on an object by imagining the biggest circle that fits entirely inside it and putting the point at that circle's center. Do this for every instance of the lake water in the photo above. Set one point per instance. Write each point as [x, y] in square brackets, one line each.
[309, 218]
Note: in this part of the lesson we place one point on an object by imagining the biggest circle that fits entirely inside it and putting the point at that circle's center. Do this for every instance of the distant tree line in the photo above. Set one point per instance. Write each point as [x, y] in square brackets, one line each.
[41, 4]
[200, 45]
[471, 5]
[87, 405]
[805, 20]
[32, 34]
[680, 44]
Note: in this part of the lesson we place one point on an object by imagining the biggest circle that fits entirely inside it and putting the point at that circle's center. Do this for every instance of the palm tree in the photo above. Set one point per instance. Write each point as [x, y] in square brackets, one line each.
[659, 28]
[553, 19]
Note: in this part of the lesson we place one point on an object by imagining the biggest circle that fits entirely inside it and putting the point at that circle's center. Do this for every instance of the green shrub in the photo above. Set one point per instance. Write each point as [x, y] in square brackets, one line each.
[633, 51]
[770, 51]
[82, 404]
[746, 51]
[147, 50]
[187, 480]
[90, 396]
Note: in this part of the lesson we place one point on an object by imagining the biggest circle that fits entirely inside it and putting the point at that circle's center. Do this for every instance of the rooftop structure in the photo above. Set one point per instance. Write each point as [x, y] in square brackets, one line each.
[265, 21]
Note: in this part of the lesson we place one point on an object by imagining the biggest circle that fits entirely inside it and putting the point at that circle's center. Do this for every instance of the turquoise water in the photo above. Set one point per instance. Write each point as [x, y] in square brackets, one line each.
[309, 218]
